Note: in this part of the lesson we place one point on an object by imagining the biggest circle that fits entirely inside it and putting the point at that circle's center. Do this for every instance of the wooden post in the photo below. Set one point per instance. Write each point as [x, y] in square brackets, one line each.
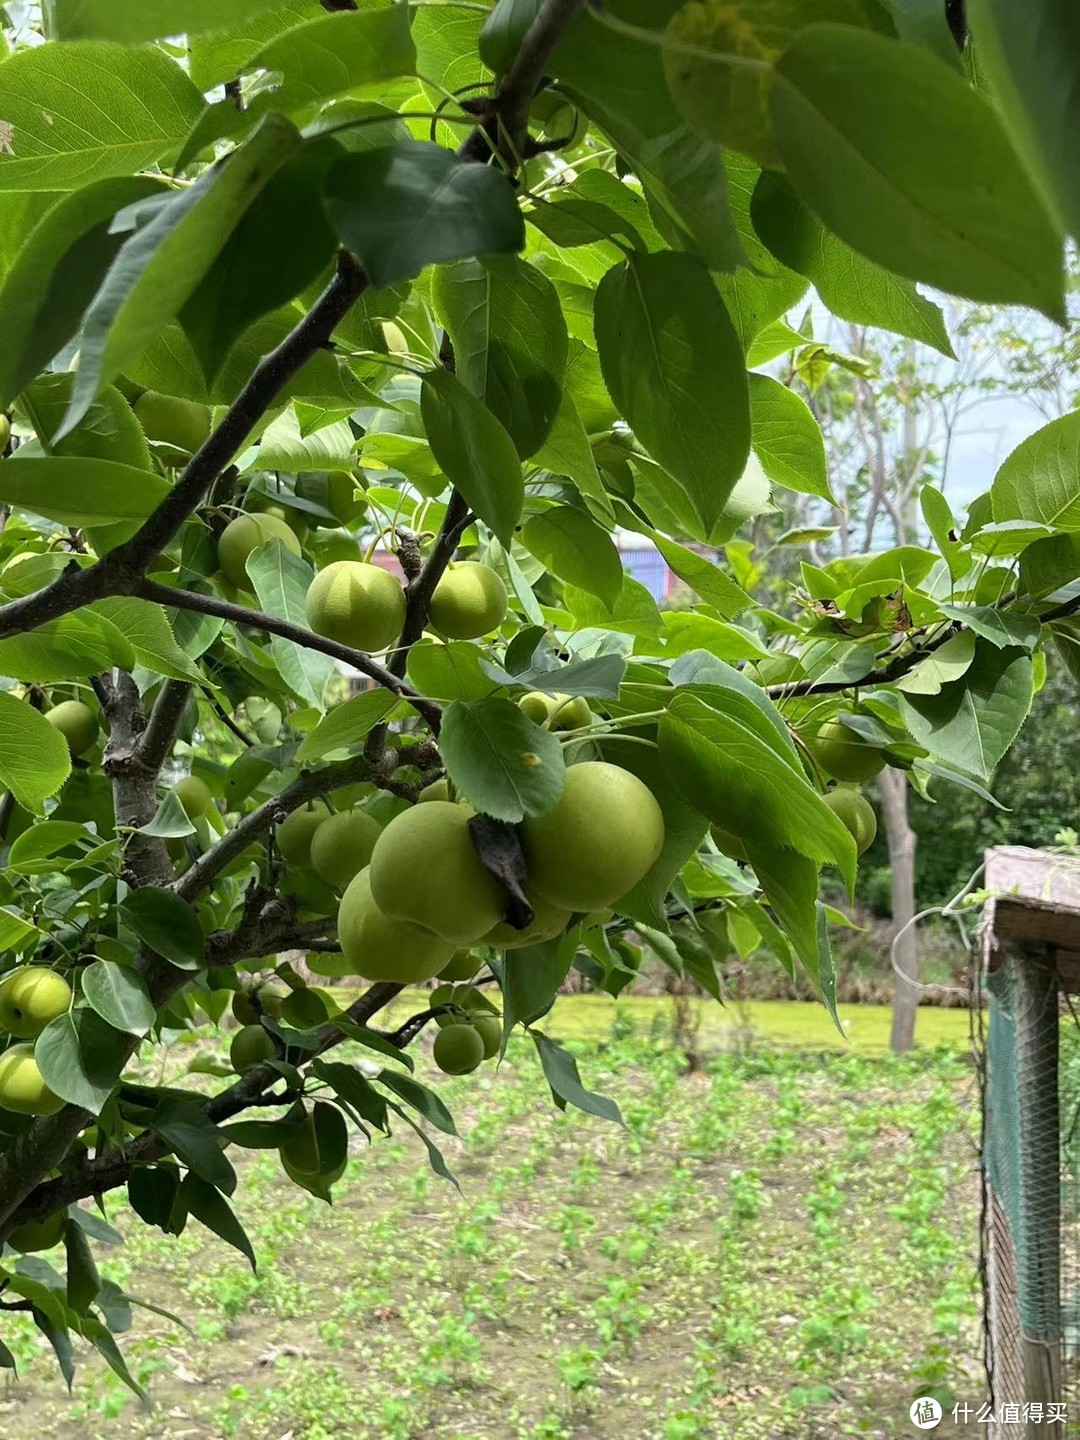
[1035, 988]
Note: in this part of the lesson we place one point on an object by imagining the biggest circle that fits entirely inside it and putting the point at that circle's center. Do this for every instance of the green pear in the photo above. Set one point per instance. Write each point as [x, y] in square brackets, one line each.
[469, 601]
[342, 846]
[31, 996]
[39, 1234]
[463, 965]
[459, 1049]
[250, 1046]
[425, 869]
[296, 832]
[184, 424]
[601, 838]
[77, 723]
[846, 755]
[356, 604]
[489, 1028]
[548, 921]
[857, 814]
[194, 795]
[245, 534]
[379, 947]
[21, 1087]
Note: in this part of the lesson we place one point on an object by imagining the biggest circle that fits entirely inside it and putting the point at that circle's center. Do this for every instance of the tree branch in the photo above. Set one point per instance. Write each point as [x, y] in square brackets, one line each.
[106, 1172]
[159, 736]
[259, 620]
[118, 572]
[506, 126]
[419, 593]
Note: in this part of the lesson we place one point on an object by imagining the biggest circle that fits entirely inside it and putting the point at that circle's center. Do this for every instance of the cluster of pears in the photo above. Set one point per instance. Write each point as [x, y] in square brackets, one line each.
[850, 759]
[30, 997]
[470, 1030]
[353, 601]
[425, 894]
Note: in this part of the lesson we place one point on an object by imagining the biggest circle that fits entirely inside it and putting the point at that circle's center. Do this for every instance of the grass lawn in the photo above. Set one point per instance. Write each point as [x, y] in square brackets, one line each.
[781, 1245]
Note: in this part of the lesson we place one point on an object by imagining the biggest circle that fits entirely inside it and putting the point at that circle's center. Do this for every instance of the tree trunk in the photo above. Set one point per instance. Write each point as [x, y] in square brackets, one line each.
[901, 842]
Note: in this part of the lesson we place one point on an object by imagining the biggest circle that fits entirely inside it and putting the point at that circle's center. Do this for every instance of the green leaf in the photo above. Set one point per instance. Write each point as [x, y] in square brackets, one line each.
[161, 264]
[167, 925]
[373, 1041]
[284, 446]
[75, 645]
[79, 113]
[282, 580]
[618, 81]
[530, 978]
[787, 439]
[510, 343]
[852, 286]
[152, 1192]
[1050, 564]
[209, 1206]
[762, 291]
[473, 450]
[336, 53]
[422, 1100]
[972, 722]
[1000, 627]
[718, 60]
[728, 766]
[949, 663]
[130, 22]
[674, 366]
[56, 274]
[1029, 57]
[119, 995]
[350, 1085]
[561, 1073]
[34, 757]
[197, 1142]
[170, 821]
[949, 204]
[75, 491]
[575, 548]
[83, 1281]
[80, 1057]
[147, 628]
[226, 52]
[684, 830]
[449, 672]
[504, 764]
[347, 725]
[567, 451]
[250, 279]
[790, 885]
[402, 207]
[98, 1335]
[42, 841]
[1040, 480]
[941, 523]
[435, 1155]
[703, 575]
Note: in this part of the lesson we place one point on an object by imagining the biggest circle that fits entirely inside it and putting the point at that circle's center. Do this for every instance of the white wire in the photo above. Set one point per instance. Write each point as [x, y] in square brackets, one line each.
[948, 909]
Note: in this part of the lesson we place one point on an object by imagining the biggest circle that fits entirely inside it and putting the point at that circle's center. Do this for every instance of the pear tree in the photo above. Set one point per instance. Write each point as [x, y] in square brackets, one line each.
[348, 340]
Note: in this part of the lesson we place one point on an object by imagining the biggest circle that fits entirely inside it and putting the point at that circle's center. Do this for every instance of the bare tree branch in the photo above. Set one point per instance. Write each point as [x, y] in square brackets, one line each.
[160, 735]
[259, 620]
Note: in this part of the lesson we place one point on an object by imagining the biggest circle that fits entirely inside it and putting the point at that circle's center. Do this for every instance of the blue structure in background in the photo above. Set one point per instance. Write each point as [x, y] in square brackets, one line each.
[649, 568]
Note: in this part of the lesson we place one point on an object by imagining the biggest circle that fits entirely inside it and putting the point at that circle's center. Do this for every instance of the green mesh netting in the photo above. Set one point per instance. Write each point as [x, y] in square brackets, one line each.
[1028, 1176]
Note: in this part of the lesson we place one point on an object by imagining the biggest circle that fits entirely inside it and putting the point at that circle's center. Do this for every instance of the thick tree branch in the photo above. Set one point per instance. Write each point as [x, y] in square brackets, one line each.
[419, 592]
[505, 128]
[106, 1172]
[118, 572]
[252, 827]
[903, 664]
[258, 620]
[160, 735]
